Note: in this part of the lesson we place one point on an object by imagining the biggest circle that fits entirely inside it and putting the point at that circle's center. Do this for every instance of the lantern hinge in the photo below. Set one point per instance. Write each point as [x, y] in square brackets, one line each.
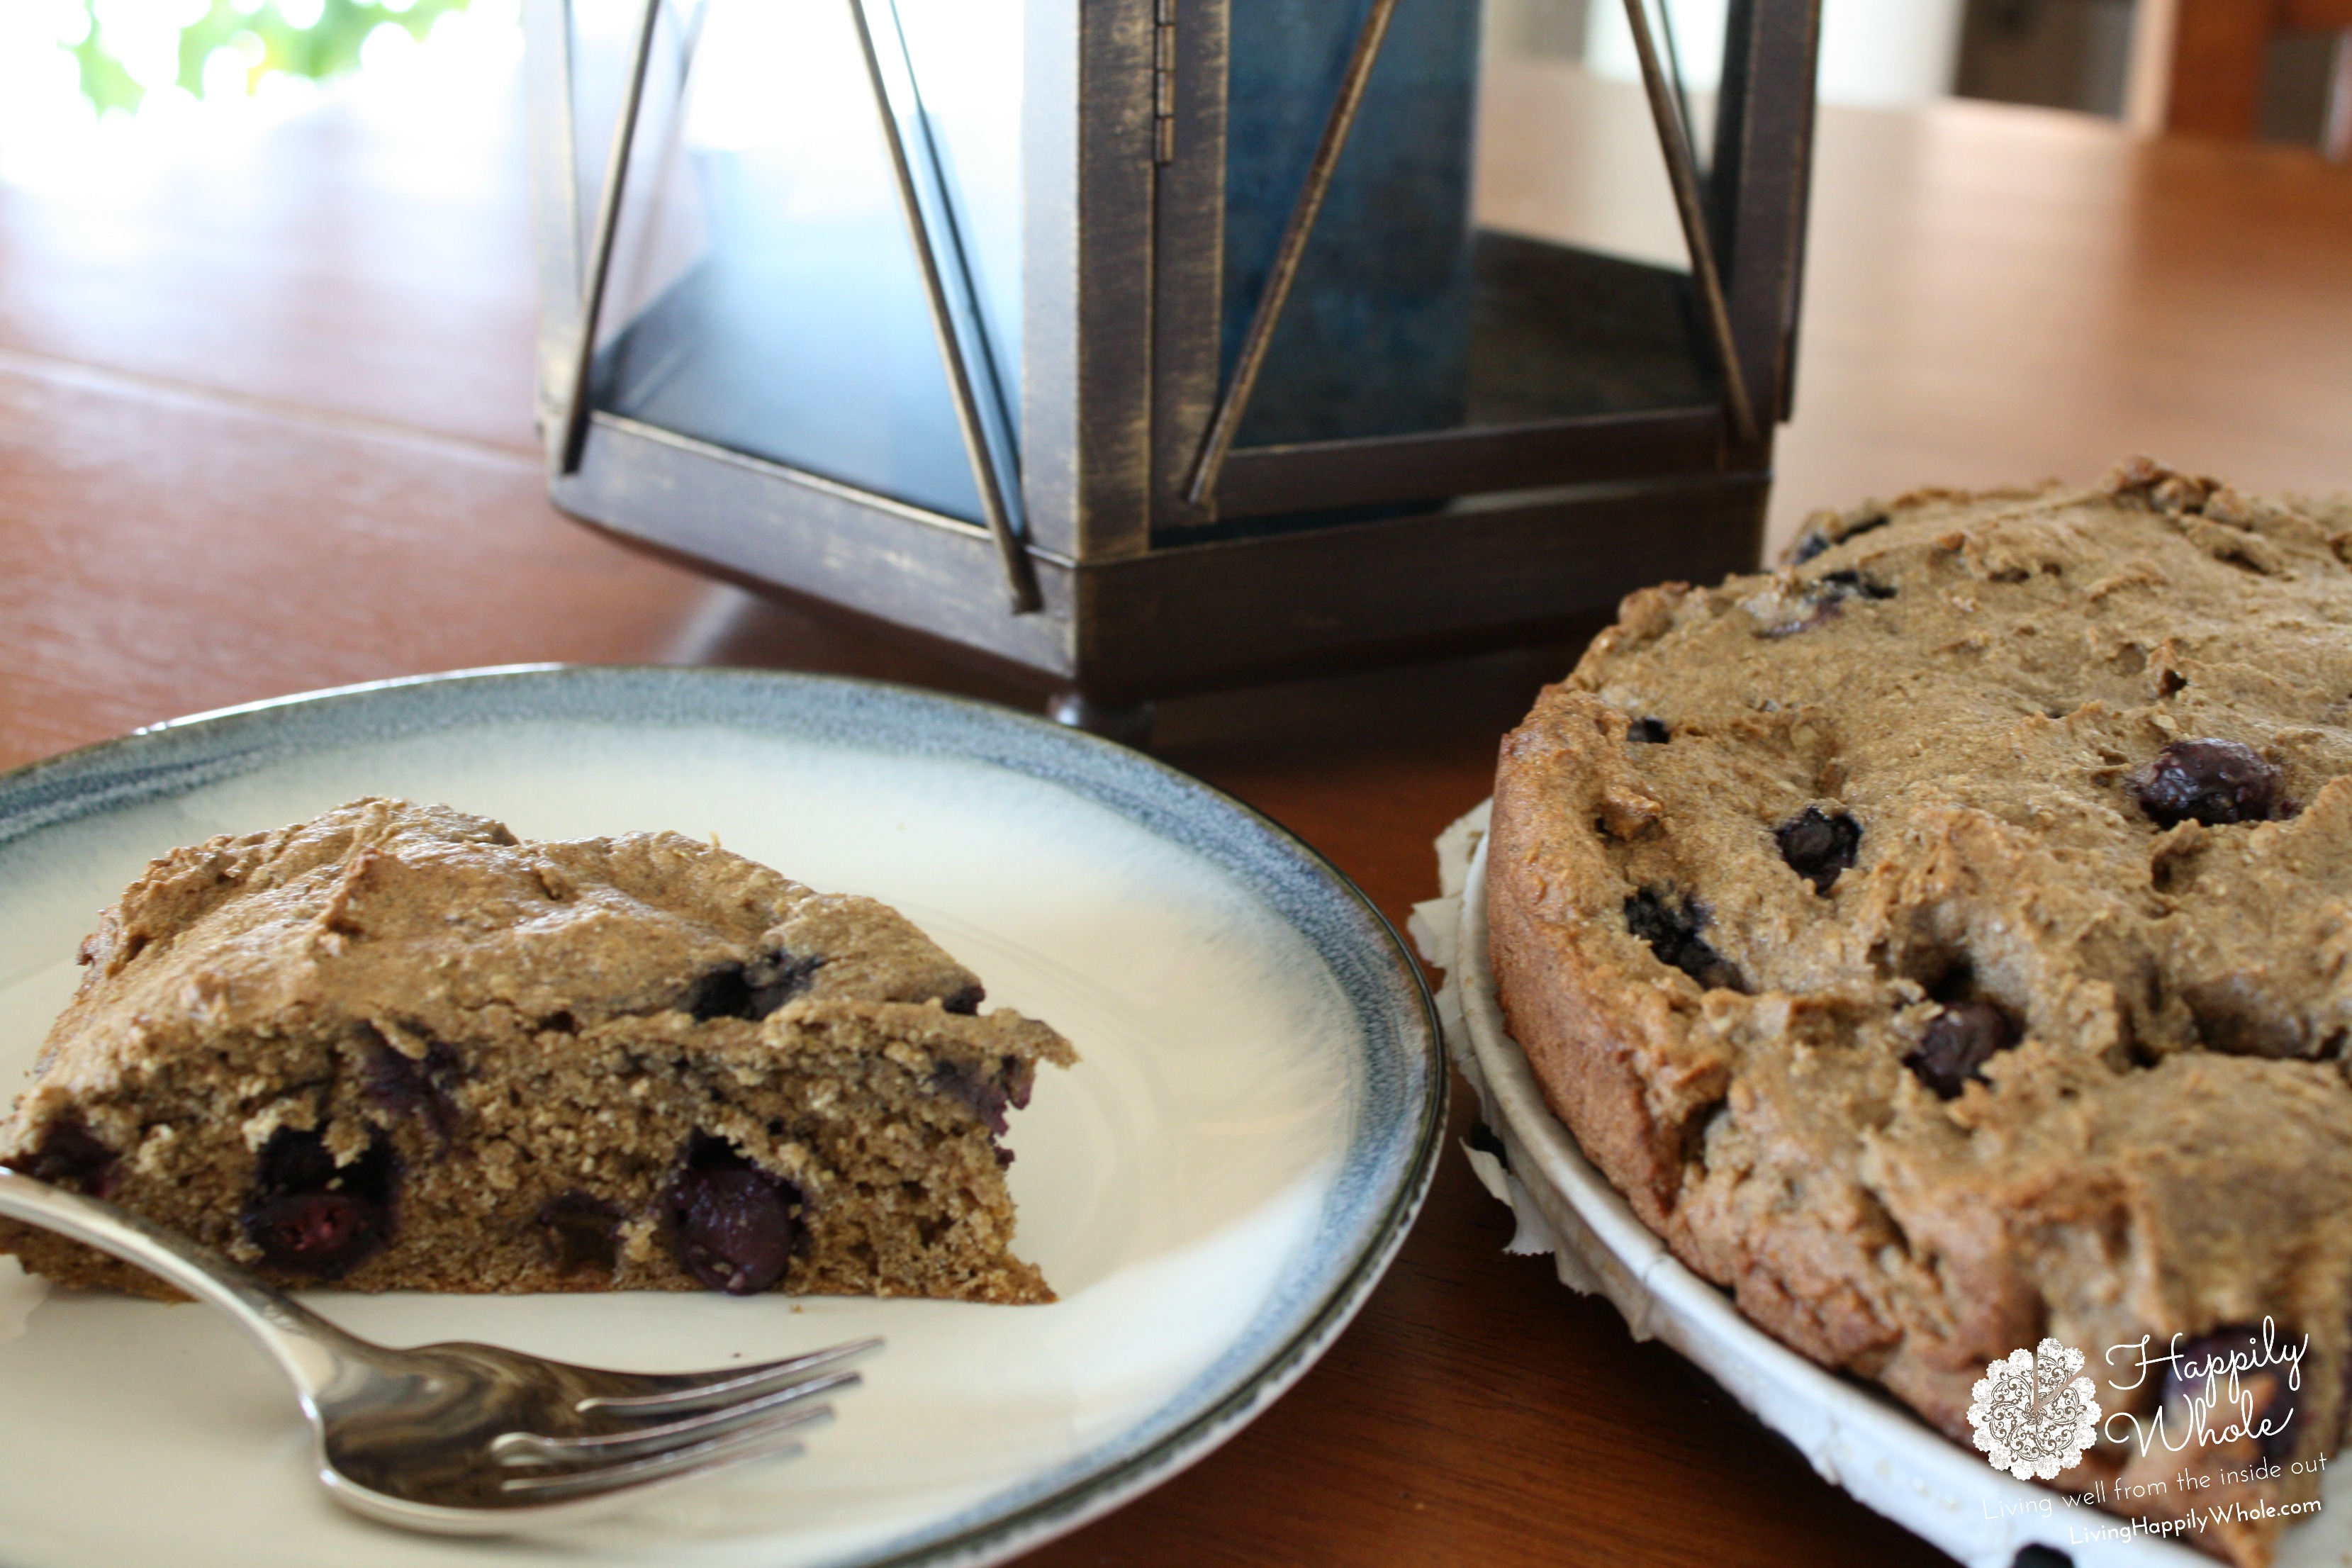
[1164, 84]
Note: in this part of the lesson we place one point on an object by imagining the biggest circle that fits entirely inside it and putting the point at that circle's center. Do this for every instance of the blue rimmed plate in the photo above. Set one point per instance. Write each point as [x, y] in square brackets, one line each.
[1213, 1191]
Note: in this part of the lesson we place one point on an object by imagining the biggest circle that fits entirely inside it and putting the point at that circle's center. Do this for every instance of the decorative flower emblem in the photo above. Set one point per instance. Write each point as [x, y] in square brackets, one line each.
[2034, 1417]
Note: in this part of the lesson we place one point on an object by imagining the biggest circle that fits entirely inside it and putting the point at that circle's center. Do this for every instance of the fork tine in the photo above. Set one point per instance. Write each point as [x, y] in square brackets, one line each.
[696, 1460]
[727, 1388]
[767, 1412]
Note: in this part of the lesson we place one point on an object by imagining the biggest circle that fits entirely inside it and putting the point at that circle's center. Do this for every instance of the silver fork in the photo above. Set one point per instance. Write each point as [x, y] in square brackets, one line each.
[466, 1440]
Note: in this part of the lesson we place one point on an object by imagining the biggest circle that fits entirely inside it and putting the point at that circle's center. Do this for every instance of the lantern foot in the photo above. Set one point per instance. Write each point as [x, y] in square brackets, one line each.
[1128, 724]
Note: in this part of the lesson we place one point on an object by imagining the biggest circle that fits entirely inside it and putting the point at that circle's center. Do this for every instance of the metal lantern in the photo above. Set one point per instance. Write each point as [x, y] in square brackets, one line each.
[1154, 345]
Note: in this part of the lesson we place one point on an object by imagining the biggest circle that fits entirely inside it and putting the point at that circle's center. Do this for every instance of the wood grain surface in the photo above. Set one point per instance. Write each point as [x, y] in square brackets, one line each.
[263, 432]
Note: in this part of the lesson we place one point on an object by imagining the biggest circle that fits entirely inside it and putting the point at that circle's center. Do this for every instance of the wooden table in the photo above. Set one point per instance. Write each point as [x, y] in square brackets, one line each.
[266, 427]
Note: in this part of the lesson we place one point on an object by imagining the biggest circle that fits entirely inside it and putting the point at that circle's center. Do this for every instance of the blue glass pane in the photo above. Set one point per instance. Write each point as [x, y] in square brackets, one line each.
[1416, 309]
[1375, 338]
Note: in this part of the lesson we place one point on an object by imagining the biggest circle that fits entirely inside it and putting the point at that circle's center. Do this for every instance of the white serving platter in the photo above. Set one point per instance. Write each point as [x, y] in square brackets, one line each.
[1855, 1437]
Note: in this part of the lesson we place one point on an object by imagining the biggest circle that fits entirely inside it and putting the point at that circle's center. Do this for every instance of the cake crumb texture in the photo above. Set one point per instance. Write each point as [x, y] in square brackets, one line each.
[394, 1047]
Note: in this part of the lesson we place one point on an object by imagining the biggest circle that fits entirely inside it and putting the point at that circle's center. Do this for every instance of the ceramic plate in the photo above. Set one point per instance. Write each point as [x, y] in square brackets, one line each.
[1213, 1191]
[1875, 1448]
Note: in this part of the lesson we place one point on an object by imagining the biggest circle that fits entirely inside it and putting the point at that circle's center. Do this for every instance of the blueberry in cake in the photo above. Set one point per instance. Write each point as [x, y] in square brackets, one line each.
[1945, 941]
[396, 1048]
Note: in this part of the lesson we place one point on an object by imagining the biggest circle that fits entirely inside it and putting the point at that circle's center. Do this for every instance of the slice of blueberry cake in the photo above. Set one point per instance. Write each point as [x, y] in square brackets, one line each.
[1945, 941]
[396, 1048]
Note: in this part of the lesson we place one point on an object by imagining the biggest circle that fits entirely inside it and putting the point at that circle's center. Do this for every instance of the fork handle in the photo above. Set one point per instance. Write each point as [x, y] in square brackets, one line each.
[308, 1347]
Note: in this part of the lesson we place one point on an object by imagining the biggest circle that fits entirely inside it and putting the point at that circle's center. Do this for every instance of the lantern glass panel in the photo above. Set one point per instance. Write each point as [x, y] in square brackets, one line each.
[1499, 243]
[766, 295]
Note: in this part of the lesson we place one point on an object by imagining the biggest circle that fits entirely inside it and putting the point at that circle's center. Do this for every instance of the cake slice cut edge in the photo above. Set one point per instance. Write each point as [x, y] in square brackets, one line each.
[394, 1047]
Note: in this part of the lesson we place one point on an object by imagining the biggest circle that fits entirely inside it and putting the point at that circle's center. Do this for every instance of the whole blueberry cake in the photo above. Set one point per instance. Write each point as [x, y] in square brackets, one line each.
[396, 1048]
[1944, 943]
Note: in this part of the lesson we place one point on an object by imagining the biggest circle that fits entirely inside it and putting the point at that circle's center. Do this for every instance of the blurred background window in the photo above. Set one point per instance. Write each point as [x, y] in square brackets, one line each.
[2064, 54]
[91, 88]
[94, 91]
[2082, 54]
[2109, 57]
[1873, 52]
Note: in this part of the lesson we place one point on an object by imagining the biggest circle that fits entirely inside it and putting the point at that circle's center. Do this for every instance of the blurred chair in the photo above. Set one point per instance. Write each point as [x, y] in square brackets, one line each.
[2219, 50]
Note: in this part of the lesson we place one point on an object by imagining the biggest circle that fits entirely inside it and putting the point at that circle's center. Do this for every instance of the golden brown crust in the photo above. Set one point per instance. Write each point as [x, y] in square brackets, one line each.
[1617, 1056]
[1757, 1051]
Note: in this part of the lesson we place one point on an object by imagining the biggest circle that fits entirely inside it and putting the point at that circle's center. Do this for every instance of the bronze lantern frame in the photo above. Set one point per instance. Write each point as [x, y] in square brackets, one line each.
[1118, 558]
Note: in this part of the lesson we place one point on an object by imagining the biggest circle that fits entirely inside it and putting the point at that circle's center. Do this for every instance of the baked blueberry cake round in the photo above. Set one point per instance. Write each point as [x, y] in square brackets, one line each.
[396, 1048]
[1944, 943]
